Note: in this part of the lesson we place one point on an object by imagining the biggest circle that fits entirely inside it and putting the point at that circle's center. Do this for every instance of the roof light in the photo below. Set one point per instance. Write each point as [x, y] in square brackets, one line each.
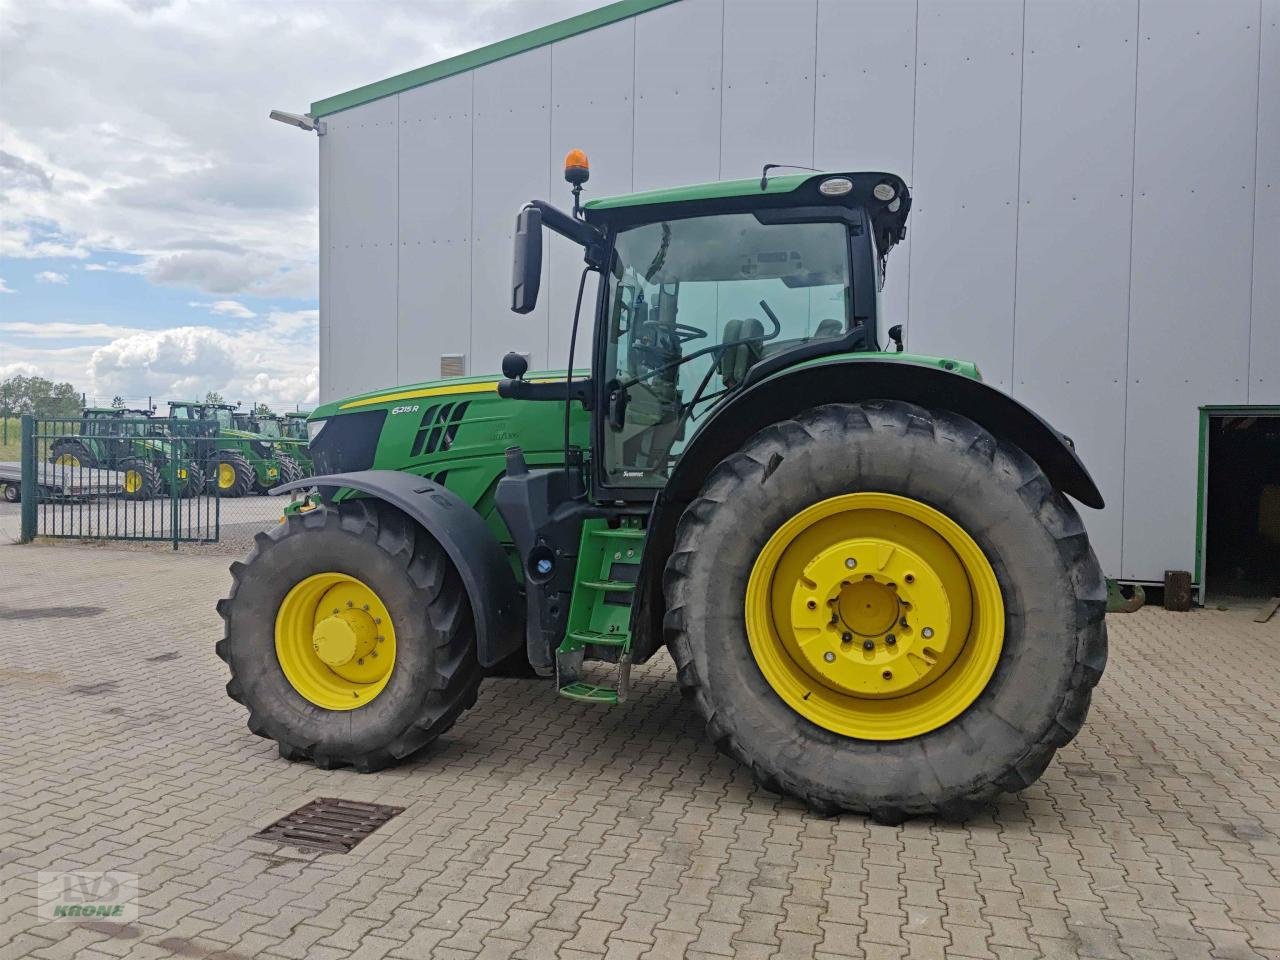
[576, 168]
[884, 191]
[835, 186]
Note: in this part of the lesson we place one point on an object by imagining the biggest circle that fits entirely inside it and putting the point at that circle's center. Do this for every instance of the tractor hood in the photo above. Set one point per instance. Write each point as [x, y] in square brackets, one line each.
[426, 427]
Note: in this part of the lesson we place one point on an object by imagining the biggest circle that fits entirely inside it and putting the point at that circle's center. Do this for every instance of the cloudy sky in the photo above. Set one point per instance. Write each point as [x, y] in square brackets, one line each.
[157, 231]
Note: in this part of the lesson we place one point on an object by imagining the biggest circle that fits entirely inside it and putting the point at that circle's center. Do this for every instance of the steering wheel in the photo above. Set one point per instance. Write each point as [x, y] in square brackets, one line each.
[686, 332]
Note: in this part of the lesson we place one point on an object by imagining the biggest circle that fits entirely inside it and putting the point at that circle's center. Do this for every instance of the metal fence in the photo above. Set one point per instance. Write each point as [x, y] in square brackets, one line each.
[105, 476]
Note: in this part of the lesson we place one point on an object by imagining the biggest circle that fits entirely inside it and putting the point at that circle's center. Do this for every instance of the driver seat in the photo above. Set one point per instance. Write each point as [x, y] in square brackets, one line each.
[736, 360]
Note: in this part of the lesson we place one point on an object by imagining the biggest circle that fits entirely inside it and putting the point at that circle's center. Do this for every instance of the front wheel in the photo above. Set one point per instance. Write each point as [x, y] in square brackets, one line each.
[882, 608]
[140, 480]
[349, 637]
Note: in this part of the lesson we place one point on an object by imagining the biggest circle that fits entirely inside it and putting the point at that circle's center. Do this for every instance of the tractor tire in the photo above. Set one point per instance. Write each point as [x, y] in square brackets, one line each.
[294, 573]
[231, 475]
[194, 483]
[71, 453]
[1043, 602]
[141, 479]
[289, 469]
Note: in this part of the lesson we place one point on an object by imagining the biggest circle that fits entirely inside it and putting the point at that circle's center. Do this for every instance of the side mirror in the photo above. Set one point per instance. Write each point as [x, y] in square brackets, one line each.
[526, 266]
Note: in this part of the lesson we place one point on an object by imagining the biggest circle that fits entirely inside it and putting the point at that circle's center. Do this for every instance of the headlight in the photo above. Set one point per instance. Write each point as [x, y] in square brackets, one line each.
[314, 427]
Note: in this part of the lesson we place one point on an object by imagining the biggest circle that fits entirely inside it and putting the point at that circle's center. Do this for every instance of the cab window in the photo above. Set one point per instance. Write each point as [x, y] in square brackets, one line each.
[692, 305]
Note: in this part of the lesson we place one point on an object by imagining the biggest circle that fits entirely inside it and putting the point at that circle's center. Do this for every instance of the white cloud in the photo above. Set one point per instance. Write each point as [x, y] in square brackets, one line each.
[20, 369]
[51, 276]
[225, 308]
[192, 178]
[5, 288]
[64, 330]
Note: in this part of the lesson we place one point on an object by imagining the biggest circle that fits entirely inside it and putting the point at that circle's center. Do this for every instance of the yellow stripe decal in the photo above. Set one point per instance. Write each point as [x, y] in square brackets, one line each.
[445, 391]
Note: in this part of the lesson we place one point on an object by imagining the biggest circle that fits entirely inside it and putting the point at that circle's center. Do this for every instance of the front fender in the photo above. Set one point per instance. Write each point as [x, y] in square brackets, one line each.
[466, 540]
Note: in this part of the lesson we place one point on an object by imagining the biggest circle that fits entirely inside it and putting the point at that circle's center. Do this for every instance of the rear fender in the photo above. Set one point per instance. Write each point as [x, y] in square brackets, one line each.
[840, 380]
[466, 540]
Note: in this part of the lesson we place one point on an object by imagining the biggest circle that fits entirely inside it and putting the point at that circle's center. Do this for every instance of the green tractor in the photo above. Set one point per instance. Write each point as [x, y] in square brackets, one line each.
[865, 563]
[267, 426]
[236, 462]
[129, 442]
[294, 427]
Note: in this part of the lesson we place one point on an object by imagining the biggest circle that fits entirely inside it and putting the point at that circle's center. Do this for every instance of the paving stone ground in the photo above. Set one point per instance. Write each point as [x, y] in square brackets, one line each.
[542, 828]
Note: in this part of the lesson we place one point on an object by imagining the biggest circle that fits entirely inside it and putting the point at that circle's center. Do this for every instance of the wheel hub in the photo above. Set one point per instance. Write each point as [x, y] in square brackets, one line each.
[874, 616]
[345, 636]
[859, 609]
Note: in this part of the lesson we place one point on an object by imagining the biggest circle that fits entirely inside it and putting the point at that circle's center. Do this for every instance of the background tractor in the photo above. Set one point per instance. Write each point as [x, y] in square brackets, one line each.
[865, 563]
[236, 462]
[268, 427]
[294, 427]
[132, 443]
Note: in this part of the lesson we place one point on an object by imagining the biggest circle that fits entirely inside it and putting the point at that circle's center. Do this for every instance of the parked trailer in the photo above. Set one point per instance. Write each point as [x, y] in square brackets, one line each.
[58, 482]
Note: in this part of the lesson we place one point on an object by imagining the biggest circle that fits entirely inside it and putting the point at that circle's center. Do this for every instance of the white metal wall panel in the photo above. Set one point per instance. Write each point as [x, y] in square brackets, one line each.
[595, 115]
[865, 106]
[767, 114]
[677, 96]
[1072, 302]
[1192, 260]
[435, 226]
[512, 160]
[1264, 351]
[328, 389]
[964, 222]
[362, 220]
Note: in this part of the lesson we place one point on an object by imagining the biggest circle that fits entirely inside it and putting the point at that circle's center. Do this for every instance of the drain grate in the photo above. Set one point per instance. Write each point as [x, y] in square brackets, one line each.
[329, 824]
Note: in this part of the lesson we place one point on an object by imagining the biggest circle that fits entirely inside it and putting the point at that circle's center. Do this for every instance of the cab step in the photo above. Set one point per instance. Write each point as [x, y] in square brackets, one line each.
[600, 610]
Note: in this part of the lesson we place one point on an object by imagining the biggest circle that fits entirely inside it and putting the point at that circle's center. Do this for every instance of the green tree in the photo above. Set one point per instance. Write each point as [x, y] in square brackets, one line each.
[213, 396]
[117, 401]
[261, 410]
[37, 395]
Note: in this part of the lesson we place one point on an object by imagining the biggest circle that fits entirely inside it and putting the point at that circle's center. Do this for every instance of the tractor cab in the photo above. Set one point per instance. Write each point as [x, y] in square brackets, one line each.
[703, 291]
[205, 419]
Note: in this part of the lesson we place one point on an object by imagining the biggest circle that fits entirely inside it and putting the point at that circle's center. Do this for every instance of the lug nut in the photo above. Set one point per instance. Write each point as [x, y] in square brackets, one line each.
[851, 563]
[360, 662]
[378, 620]
[846, 637]
[829, 657]
[910, 578]
[902, 622]
[365, 608]
[888, 674]
[868, 644]
[927, 632]
[891, 639]
[812, 604]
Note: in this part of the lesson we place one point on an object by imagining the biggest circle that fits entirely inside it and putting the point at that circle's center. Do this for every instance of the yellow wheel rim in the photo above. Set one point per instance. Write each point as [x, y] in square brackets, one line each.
[132, 481]
[875, 616]
[67, 460]
[335, 641]
[226, 476]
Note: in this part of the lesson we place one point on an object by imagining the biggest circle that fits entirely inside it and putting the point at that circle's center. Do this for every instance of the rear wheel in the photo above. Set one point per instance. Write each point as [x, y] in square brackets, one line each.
[232, 474]
[11, 493]
[139, 479]
[349, 637]
[882, 608]
[71, 453]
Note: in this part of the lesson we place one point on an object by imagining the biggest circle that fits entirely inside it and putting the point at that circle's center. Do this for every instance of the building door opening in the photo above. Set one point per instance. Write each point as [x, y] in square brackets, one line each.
[1240, 490]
